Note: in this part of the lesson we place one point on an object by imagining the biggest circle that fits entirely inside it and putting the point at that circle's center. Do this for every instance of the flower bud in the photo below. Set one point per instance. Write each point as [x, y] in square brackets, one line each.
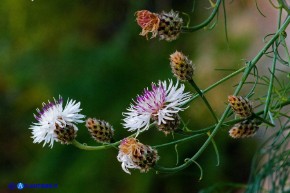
[100, 130]
[181, 66]
[169, 26]
[246, 128]
[241, 106]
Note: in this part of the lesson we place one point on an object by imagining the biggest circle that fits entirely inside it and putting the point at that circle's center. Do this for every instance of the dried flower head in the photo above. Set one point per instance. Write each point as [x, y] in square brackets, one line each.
[56, 123]
[149, 22]
[166, 25]
[181, 66]
[169, 26]
[160, 103]
[100, 130]
[241, 106]
[136, 155]
[246, 128]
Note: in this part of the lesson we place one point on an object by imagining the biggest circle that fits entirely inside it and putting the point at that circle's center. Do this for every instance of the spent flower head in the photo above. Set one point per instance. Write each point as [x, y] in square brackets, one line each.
[161, 103]
[149, 22]
[167, 25]
[136, 155]
[56, 123]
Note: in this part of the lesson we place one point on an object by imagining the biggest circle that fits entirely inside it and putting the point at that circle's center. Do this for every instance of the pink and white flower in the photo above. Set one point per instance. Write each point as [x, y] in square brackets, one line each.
[160, 103]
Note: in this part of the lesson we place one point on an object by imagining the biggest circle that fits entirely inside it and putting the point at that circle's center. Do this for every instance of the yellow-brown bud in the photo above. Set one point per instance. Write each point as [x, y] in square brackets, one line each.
[169, 26]
[241, 106]
[100, 130]
[181, 66]
[246, 128]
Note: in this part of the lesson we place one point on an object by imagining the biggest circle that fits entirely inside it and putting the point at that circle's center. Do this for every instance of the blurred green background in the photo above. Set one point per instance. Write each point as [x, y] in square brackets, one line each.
[90, 51]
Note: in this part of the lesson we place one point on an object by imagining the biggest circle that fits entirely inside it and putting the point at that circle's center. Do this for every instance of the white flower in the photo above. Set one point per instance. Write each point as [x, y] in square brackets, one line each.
[160, 103]
[127, 162]
[53, 116]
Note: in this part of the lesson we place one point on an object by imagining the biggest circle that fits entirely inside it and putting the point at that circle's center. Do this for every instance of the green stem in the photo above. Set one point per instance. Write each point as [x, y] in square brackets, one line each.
[263, 120]
[216, 127]
[102, 147]
[86, 147]
[206, 22]
[178, 141]
[270, 87]
[239, 87]
[200, 168]
[203, 98]
[217, 83]
[216, 150]
[284, 5]
[225, 20]
[246, 73]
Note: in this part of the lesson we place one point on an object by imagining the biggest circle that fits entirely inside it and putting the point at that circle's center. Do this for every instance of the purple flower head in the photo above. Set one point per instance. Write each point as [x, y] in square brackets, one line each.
[160, 103]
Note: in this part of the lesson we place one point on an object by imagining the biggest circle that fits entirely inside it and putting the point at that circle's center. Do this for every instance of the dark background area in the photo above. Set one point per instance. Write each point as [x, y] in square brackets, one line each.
[90, 51]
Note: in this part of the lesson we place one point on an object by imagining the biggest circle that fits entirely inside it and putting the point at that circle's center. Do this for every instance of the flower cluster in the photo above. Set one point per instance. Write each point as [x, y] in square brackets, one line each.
[159, 105]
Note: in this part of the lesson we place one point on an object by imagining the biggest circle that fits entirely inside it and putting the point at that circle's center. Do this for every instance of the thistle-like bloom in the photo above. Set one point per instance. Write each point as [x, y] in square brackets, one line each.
[160, 104]
[56, 123]
[241, 106]
[181, 66]
[136, 155]
[101, 131]
[149, 22]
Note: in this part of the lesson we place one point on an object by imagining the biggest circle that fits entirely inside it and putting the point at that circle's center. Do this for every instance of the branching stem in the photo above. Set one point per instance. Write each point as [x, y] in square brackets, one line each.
[203, 98]
[246, 73]
[206, 22]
